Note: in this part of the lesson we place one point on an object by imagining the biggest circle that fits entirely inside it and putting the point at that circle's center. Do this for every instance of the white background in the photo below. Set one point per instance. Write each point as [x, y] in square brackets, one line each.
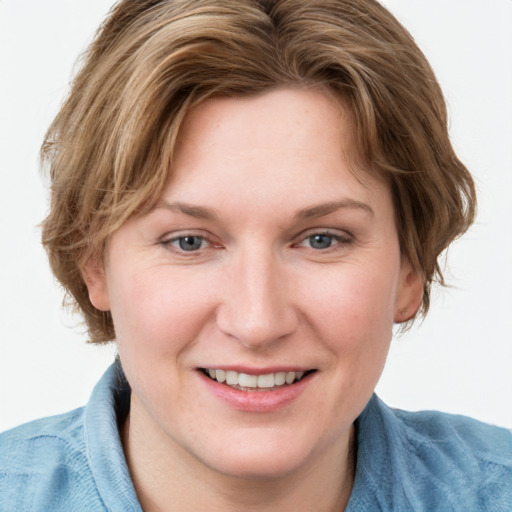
[459, 360]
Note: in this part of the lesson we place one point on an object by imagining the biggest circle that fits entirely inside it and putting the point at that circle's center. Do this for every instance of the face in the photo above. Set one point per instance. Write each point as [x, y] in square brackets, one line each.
[266, 263]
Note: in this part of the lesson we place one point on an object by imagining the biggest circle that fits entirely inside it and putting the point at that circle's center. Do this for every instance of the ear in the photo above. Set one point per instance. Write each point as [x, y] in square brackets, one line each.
[94, 276]
[410, 293]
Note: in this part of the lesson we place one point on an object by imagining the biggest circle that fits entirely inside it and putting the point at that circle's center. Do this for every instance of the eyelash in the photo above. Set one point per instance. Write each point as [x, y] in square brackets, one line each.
[336, 241]
[175, 243]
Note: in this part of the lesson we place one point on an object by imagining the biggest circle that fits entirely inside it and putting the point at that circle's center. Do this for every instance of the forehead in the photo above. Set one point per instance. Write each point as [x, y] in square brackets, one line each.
[284, 151]
[292, 138]
[268, 119]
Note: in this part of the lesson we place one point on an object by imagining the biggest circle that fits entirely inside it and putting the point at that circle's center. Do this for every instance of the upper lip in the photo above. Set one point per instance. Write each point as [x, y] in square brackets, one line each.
[250, 370]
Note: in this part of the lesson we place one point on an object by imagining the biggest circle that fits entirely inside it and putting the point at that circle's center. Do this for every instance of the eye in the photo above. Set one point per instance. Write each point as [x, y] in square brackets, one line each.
[320, 241]
[325, 240]
[188, 243]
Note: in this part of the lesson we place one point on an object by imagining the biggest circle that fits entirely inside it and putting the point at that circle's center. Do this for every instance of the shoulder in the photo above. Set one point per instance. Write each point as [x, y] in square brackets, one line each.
[469, 463]
[458, 437]
[40, 460]
[64, 428]
[431, 461]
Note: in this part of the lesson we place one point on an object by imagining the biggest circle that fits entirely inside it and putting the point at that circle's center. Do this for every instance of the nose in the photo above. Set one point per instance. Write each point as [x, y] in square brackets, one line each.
[258, 306]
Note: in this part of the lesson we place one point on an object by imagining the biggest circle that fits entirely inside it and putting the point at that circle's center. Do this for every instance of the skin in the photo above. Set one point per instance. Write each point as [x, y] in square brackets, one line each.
[263, 174]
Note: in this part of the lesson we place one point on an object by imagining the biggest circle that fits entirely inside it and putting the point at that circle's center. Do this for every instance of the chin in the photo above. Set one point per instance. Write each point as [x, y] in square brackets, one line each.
[252, 463]
[267, 453]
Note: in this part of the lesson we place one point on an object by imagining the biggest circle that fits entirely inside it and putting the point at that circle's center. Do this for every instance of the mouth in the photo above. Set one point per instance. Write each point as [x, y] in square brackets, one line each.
[248, 382]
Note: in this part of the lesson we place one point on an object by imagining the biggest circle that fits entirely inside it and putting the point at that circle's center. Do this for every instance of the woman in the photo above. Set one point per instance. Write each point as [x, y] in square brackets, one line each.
[247, 197]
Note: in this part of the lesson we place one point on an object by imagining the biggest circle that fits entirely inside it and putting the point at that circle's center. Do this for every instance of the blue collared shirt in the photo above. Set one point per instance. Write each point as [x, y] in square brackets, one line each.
[425, 461]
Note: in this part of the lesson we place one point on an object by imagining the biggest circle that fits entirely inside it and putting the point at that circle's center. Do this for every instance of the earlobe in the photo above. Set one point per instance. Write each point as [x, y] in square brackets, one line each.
[410, 294]
[93, 273]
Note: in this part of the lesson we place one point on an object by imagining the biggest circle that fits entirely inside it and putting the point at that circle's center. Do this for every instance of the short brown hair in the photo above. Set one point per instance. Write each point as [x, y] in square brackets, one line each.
[109, 150]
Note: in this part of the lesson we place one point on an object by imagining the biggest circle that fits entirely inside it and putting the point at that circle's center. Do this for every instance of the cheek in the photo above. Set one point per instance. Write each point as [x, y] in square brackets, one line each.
[352, 308]
[353, 317]
[159, 311]
[158, 318]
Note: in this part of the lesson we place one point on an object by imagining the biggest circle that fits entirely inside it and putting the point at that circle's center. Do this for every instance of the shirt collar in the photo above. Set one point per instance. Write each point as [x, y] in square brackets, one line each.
[108, 404]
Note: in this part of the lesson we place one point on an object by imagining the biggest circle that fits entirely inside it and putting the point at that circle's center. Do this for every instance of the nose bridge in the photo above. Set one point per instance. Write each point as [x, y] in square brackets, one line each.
[257, 308]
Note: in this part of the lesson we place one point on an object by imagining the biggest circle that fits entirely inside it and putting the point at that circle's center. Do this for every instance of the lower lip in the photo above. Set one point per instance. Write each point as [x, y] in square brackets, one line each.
[257, 401]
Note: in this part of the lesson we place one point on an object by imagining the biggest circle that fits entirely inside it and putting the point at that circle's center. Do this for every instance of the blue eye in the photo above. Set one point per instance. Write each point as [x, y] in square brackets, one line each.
[189, 243]
[321, 241]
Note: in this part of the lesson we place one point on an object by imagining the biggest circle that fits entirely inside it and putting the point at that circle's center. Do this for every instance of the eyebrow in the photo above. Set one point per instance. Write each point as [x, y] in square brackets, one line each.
[323, 209]
[320, 210]
[199, 212]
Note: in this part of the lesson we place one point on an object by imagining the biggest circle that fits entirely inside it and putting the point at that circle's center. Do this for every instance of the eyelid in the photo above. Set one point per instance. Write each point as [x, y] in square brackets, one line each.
[335, 233]
[179, 232]
[174, 235]
[168, 240]
[178, 239]
[341, 238]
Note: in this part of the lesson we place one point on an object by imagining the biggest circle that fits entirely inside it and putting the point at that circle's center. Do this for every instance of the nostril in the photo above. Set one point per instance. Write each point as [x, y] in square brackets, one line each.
[257, 329]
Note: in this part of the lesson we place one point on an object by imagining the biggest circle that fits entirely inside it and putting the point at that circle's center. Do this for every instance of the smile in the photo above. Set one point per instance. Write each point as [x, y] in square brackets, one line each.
[247, 382]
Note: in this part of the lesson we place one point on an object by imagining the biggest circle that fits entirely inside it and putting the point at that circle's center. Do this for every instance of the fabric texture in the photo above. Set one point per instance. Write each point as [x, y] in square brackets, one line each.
[426, 461]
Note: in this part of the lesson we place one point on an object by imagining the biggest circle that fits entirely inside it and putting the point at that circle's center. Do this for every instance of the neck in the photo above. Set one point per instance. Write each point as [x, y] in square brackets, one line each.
[167, 478]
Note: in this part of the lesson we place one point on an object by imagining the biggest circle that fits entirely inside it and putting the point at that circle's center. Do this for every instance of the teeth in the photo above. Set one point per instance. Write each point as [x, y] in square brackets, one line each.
[244, 380]
[266, 381]
[232, 378]
[279, 378]
[247, 381]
